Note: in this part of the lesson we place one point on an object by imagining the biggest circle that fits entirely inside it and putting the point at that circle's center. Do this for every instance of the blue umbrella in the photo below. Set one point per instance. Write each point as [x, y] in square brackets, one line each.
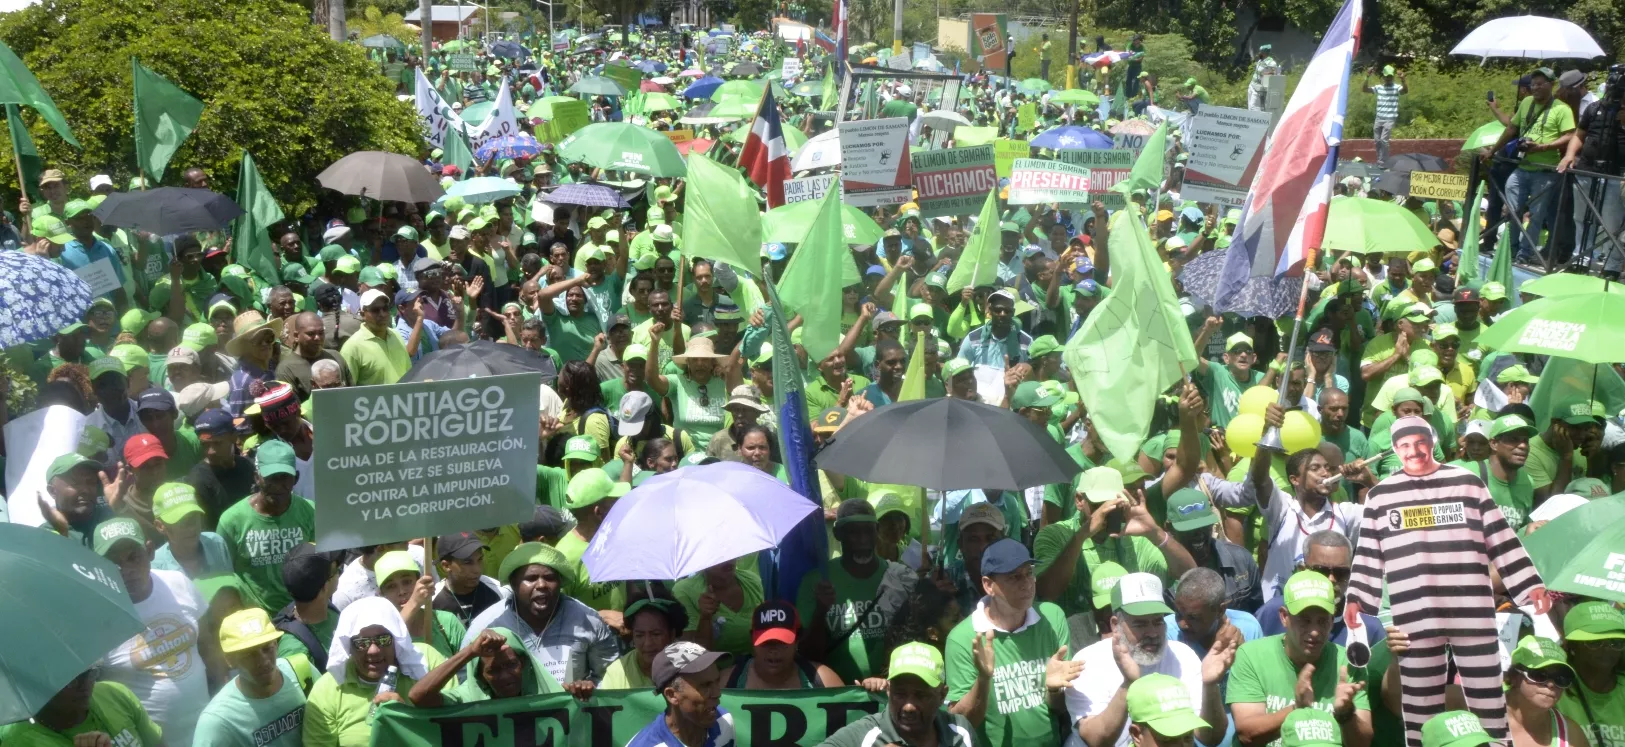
[517, 145]
[652, 66]
[1072, 138]
[702, 88]
[483, 189]
[587, 195]
[37, 298]
[688, 520]
[1261, 296]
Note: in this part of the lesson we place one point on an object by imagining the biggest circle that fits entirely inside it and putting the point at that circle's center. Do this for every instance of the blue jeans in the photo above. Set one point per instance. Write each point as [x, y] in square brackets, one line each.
[1536, 192]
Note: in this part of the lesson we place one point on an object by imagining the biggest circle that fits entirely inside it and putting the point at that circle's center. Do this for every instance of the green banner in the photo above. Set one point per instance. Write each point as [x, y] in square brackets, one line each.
[783, 718]
[629, 77]
[1098, 159]
[1027, 117]
[421, 460]
[463, 63]
[568, 116]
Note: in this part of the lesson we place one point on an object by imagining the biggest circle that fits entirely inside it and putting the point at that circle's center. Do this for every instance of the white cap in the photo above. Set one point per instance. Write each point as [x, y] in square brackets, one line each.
[101, 180]
[459, 232]
[1477, 428]
[332, 235]
[373, 294]
[633, 410]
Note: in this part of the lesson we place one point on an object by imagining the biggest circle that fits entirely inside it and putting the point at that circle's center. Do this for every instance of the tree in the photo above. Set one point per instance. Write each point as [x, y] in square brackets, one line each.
[271, 82]
[373, 21]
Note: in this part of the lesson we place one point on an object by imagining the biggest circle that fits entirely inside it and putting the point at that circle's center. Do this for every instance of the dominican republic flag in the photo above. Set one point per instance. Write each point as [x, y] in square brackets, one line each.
[1284, 219]
[842, 41]
[1103, 59]
[766, 158]
[824, 41]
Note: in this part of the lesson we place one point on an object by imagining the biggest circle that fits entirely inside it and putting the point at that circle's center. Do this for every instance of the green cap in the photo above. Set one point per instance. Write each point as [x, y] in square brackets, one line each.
[1511, 425]
[583, 448]
[1410, 394]
[1306, 589]
[407, 232]
[102, 366]
[68, 462]
[95, 440]
[1035, 394]
[534, 553]
[1100, 484]
[1387, 69]
[1139, 594]
[132, 356]
[1492, 292]
[924, 309]
[1455, 729]
[1189, 508]
[199, 336]
[175, 501]
[136, 320]
[1237, 340]
[1043, 345]
[1129, 468]
[109, 534]
[393, 562]
[1574, 412]
[75, 208]
[1424, 265]
[919, 659]
[1591, 621]
[1009, 227]
[275, 458]
[370, 277]
[635, 352]
[1588, 487]
[347, 264]
[590, 487]
[1310, 727]
[52, 228]
[1424, 375]
[332, 253]
[1163, 703]
[1516, 375]
[954, 367]
[1446, 331]
[1102, 580]
[1538, 653]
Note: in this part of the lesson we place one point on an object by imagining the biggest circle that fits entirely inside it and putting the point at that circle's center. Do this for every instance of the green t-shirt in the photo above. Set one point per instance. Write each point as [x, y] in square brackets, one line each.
[730, 629]
[188, 452]
[551, 482]
[1608, 730]
[1018, 708]
[446, 633]
[614, 389]
[856, 628]
[114, 711]
[1543, 124]
[1262, 673]
[1387, 727]
[290, 647]
[1136, 554]
[572, 335]
[375, 359]
[596, 596]
[1542, 463]
[233, 719]
[258, 544]
[1516, 498]
[1224, 391]
[1351, 441]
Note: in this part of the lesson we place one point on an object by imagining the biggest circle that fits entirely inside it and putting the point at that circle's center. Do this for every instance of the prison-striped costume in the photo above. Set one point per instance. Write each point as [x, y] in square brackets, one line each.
[1433, 538]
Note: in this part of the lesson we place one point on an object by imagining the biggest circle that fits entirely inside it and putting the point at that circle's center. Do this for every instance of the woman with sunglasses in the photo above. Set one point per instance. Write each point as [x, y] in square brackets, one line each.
[370, 639]
[1540, 672]
[1594, 637]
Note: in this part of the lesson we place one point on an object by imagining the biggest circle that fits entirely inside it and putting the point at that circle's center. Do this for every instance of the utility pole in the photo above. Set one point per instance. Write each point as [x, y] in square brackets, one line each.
[897, 27]
[1072, 49]
[426, 17]
[335, 20]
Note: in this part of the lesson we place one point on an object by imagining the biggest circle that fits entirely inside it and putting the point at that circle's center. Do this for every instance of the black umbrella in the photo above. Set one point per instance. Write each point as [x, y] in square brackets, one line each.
[1393, 182]
[508, 49]
[381, 176]
[1417, 162]
[1274, 297]
[477, 359]
[745, 70]
[948, 444]
[168, 210]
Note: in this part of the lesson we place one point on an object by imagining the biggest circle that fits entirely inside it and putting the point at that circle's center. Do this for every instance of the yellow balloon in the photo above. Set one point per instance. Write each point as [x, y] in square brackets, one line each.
[1299, 431]
[1243, 433]
[1254, 400]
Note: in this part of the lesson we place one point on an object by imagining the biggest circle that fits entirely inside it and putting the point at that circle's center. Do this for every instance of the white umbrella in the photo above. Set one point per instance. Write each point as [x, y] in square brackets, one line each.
[1535, 37]
[943, 119]
[822, 151]
[664, 80]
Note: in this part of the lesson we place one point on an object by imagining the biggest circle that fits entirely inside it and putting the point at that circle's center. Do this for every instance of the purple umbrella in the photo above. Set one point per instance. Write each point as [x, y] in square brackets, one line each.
[588, 195]
[1261, 296]
[1072, 138]
[686, 521]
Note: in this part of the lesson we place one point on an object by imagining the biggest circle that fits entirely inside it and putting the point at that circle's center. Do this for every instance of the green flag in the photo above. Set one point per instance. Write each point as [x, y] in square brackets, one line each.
[812, 281]
[1501, 265]
[721, 220]
[250, 242]
[1147, 173]
[1467, 262]
[1134, 346]
[19, 86]
[979, 263]
[458, 153]
[164, 116]
[831, 91]
[22, 147]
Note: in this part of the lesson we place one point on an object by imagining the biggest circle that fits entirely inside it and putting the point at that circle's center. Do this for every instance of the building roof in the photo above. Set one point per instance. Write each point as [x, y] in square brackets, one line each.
[445, 13]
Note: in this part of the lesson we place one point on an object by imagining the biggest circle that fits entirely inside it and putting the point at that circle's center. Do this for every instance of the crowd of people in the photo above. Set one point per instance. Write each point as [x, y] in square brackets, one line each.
[1186, 593]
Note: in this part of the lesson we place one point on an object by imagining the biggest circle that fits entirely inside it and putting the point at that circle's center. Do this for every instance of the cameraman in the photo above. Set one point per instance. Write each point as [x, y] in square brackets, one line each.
[1537, 135]
[1598, 147]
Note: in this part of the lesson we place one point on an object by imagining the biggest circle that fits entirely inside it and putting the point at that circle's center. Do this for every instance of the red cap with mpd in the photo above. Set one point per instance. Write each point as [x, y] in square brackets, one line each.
[774, 621]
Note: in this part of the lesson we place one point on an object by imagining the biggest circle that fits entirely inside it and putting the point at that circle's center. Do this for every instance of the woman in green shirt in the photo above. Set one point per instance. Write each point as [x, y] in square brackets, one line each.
[371, 637]
[756, 450]
[700, 387]
[655, 624]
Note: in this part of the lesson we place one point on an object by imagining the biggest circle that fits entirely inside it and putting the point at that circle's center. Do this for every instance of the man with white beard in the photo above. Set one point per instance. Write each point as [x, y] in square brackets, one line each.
[1138, 645]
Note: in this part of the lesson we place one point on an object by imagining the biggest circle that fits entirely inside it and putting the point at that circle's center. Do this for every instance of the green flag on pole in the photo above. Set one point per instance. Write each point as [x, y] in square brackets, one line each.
[250, 242]
[1134, 346]
[164, 116]
[1501, 266]
[22, 148]
[1147, 173]
[721, 218]
[832, 90]
[1467, 262]
[19, 86]
[979, 263]
[458, 153]
[813, 280]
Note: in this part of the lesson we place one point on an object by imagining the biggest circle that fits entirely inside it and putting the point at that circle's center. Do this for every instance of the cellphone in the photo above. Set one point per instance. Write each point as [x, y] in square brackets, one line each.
[1490, 97]
[1114, 523]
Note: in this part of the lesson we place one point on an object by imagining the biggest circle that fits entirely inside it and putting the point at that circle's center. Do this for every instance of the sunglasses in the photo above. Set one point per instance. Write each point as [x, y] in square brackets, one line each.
[1559, 678]
[704, 397]
[1340, 574]
[1615, 644]
[362, 643]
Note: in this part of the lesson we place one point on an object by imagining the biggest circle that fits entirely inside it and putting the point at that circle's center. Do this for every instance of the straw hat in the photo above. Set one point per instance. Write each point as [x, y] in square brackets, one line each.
[699, 347]
[248, 324]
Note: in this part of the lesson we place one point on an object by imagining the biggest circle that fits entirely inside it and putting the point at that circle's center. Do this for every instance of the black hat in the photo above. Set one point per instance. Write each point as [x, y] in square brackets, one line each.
[680, 658]
[460, 546]
[547, 521]
[305, 571]
[1322, 341]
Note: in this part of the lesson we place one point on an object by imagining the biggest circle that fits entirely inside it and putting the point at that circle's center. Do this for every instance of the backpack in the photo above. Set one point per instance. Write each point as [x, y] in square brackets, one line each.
[287, 623]
[555, 445]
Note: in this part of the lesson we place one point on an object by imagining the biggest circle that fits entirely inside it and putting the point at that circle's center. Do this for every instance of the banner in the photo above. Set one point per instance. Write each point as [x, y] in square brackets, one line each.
[874, 162]
[679, 136]
[436, 114]
[1027, 117]
[987, 40]
[792, 68]
[1005, 153]
[568, 116]
[629, 77]
[1034, 181]
[1097, 159]
[424, 459]
[499, 123]
[462, 63]
[761, 718]
[1225, 148]
[953, 181]
[808, 188]
[1435, 185]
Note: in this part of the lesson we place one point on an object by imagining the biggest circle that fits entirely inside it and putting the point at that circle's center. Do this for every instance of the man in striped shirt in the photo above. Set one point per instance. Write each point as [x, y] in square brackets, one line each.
[1387, 109]
[1431, 532]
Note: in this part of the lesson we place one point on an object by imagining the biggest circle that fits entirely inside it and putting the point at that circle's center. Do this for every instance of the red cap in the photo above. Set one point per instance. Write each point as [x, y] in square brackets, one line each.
[141, 448]
[774, 621]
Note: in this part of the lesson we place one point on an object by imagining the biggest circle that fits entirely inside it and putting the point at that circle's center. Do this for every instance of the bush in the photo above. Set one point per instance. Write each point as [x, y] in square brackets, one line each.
[271, 83]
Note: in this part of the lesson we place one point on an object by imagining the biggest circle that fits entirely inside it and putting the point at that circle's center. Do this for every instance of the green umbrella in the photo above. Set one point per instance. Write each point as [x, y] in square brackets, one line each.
[1587, 327]
[656, 101]
[543, 108]
[1035, 85]
[734, 107]
[476, 113]
[1552, 546]
[598, 85]
[65, 608]
[808, 88]
[1367, 226]
[1569, 284]
[454, 45]
[790, 224]
[1076, 96]
[1484, 137]
[620, 146]
[748, 89]
[1586, 557]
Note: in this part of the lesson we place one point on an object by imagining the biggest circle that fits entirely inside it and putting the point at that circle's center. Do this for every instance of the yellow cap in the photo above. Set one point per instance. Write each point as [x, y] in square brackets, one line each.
[246, 629]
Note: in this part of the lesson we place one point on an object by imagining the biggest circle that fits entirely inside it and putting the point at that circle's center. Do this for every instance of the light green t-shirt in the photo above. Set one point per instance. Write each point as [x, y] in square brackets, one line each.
[1224, 391]
[114, 711]
[1018, 708]
[233, 719]
[572, 336]
[258, 544]
[596, 596]
[1608, 730]
[1543, 124]
[375, 359]
[642, 335]
[856, 628]
[342, 715]
[1542, 463]
[730, 629]
[1262, 673]
[1516, 498]
[1136, 554]
[624, 674]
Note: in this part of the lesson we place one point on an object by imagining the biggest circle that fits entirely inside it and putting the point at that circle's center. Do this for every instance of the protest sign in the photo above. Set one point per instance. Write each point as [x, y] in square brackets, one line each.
[920, 51]
[1225, 147]
[463, 62]
[437, 116]
[1005, 153]
[1097, 159]
[968, 135]
[679, 136]
[1131, 135]
[424, 459]
[1435, 185]
[988, 35]
[1101, 181]
[902, 61]
[792, 67]
[761, 718]
[953, 181]
[568, 116]
[808, 188]
[629, 77]
[501, 122]
[1034, 181]
[100, 276]
[561, 42]
[33, 441]
[875, 167]
[1026, 117]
